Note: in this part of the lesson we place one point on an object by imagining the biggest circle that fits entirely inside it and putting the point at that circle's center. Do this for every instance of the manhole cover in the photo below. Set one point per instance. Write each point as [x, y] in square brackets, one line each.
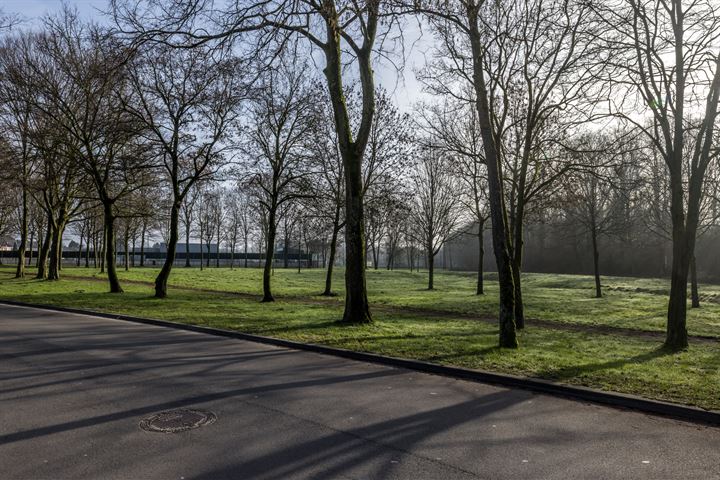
[172, 421]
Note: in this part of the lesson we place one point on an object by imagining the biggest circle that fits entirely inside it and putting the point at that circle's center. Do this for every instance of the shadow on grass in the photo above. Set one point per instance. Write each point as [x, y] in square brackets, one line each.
[579, 370]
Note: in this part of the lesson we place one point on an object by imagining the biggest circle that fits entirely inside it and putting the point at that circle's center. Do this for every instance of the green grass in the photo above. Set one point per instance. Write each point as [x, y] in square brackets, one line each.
[627, 303]
[625, 363]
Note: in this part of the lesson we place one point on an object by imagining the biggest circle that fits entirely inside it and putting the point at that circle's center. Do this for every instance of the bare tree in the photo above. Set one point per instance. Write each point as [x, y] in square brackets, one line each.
[662, 62]
[282, 118]
[188, 101]
[16, 106]
[80, 76]
[344, 33]
[453, 129]
[436, 210]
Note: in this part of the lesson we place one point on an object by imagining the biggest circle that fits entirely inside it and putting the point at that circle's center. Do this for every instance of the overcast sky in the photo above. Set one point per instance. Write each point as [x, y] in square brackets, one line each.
[405, 89]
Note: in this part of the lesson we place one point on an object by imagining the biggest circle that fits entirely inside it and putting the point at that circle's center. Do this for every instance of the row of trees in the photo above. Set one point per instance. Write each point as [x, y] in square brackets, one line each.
[539, 105]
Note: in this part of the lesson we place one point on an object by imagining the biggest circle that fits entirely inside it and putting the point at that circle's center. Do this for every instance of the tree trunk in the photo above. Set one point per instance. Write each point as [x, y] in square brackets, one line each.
[481, 258]
[201, 247]
[331, 260]
[500, 234]
[44, 250]
[246, 252]
[56, 251]
[286, 246]
[109, 220]
[357, 307]
[596, 261]
[694, 294]
[22, 248]
[161, 280]
[232, 254]
[431, 268]
[270, 253]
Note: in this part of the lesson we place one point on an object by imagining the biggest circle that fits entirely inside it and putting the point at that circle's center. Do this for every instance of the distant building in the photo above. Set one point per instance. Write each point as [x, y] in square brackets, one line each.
[194, 248]
[7, 243]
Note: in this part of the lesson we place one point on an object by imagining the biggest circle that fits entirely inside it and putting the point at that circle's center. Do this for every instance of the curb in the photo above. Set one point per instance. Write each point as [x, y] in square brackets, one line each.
[619, 400]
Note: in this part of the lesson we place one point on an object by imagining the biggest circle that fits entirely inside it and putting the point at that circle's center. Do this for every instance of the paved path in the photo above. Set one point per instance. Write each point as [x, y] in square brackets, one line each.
[73, 389]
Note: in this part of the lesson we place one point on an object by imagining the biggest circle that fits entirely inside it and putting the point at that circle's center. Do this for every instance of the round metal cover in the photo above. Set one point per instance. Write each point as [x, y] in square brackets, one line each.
[179, 420]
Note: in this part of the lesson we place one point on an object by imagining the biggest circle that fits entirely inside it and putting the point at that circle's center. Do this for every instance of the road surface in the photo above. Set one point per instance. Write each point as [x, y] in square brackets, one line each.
[74, 388]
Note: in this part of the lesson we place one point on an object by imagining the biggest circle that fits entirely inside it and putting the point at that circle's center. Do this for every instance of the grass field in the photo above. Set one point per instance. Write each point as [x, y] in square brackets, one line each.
[610, 343]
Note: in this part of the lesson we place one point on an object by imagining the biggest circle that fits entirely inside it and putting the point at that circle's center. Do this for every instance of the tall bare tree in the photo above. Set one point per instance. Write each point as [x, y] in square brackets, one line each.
[277, 147]
[189, 101]
[662, 62]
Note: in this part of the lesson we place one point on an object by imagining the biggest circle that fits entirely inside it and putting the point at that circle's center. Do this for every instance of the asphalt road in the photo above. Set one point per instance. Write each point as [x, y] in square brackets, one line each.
[74, 388]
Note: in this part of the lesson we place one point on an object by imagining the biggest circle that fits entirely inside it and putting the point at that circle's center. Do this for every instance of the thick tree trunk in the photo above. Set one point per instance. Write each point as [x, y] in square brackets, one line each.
[357, 307]
[44, 250]
[596, 262]
[694, 293]
[22, 248]
[109, 220]
[161, 280]
[56, 251]
[500, 234]
[481, 258]
[270, 253]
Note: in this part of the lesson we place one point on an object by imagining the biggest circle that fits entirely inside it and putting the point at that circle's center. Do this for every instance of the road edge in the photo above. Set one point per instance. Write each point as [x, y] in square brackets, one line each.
[613, 399]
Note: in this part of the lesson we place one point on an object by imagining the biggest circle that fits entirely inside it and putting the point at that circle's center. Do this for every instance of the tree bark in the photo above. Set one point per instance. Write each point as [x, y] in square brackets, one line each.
[44, 250]
[481, 258]
[161, 280]
[270, 253]
[331, 260]
[109, 220]
[56, 251]
[500, 234]
[246, 252]
[431, 268]
[357, 307]
[694, 293]
[22, 248]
